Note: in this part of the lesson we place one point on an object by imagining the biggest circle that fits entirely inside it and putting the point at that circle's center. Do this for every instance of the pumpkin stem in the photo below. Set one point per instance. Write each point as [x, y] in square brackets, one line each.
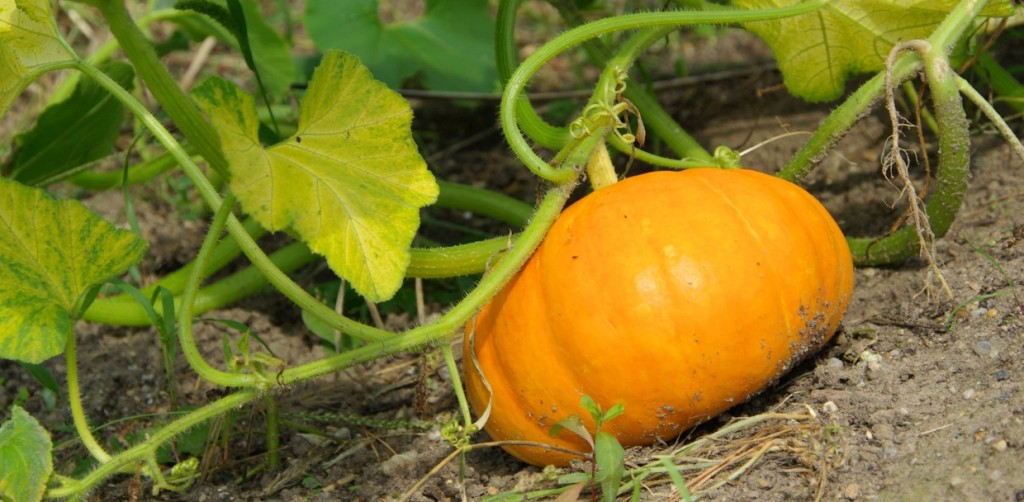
[600, 170]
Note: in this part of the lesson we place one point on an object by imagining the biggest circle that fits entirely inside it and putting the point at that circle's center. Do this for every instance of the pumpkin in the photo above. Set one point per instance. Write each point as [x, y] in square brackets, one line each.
[677, 294]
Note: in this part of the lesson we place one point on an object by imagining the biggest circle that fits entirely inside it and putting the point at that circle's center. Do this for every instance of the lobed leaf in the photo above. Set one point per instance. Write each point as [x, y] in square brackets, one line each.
[51, 253]
[25, 459]
[350, 182]
[28, 41]
[819, 51]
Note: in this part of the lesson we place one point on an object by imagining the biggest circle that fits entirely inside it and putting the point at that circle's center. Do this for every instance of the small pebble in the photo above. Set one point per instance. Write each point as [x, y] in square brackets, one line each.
[829, 407]
[978, 312]
[956, 481]
[1000, 375]
[834, 363]
[968, 394]
[982, 348]
[999, 445]
[852, 491]
[402, 464]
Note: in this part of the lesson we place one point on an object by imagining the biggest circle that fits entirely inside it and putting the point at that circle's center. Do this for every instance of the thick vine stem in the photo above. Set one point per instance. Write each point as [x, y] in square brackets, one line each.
[181, 109]
[484, 203]
[951, 182]
[954, 148]
[850, 111]
[529, 67]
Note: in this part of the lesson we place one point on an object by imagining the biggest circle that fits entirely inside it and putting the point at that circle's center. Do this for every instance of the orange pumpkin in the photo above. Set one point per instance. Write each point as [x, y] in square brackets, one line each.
[677, 294]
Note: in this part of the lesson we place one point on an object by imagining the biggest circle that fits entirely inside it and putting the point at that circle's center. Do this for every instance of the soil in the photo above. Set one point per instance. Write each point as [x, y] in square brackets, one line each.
[918, 397]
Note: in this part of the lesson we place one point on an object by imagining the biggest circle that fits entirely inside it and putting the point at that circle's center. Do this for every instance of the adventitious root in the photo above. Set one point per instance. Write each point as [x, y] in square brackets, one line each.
[894, 165]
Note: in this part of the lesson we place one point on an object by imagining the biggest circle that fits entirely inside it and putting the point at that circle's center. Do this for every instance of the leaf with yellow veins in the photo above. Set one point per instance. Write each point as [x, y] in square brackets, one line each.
[350, 182]
[51, 253]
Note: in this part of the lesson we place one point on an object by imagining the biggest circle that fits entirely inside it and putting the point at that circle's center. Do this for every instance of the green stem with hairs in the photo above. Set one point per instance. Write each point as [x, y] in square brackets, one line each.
[138, 454]
[507, 60]
[655, 118]
[186, 337]
[460, 392]
[843, 118]
[484, 202]
[426, 263]
[516, 84]
[178, 106]
[986, 108]
[75, 402]
[954, 169]
[954, 147]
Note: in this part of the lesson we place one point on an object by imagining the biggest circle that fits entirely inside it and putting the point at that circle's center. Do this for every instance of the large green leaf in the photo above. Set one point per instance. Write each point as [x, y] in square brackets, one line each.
[451, 46]
[73, 132]
[51, 252]
[817, 52]
[25, 460]
[28, 41]
[350, 182]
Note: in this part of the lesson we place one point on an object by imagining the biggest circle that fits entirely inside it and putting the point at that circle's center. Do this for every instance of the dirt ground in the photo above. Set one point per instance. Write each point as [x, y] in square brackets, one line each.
[917, 398]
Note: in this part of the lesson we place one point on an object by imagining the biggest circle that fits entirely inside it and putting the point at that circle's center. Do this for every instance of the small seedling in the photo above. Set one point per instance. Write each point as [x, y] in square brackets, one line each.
[607, 462]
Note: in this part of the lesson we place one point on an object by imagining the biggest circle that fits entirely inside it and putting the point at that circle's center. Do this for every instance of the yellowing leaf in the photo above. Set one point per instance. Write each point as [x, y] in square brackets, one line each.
[817, 52]
[350, 182]
[28, 41]
[51, 252]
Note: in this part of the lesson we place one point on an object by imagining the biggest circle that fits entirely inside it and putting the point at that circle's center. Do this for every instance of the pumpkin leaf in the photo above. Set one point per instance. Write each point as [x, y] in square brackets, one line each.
[349, 183]
[449, 31]
[818, 51]
[25, 459]
[73, 132]
[28, 42]
[51, 253]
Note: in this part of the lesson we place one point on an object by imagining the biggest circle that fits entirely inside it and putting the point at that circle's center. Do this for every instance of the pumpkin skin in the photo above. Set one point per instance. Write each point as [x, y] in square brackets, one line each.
[677, 294]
